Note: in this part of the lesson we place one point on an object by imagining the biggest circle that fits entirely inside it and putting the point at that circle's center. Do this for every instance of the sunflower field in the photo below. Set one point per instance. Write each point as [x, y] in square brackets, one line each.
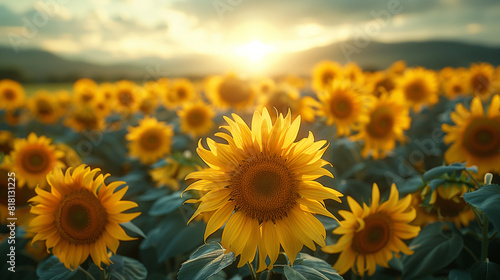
[348, 174]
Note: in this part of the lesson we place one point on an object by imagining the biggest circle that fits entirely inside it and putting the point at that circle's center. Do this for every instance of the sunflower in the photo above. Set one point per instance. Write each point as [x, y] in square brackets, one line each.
[265, 86]
[126, 98]
[179, 92]
[80, 216]
[262, 185]
[284, 97]
[481, 80]
[149, 141]
[230, 91]
[196, 118]
[389, 117]
[475, 137]
[85, 91]
[85, 117]
[353, 73]
[33, 158]
[397, 68]
[64, 101]
[71, 157]
[44, 107]
[418, 87]
[294, 80]
[11, 94]
[171, 174]
[344, 106]
[380, 82]
[370, 235]
[446, 203]
[106, 91]
[324, 73]
[455, 86]
[6, 142]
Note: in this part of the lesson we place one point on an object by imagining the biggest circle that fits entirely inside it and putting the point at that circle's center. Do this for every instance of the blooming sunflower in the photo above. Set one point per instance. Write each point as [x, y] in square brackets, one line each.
[370, 235]
[80, 216]
[455, 86]
[85, 117]
[262, 185]
[196, 118]
[265, 86]
[6, 142]
[284, 97]
[418, 87]
[11, 94]
[380, 82]
[343, 105]
[389, 117]
[85, 91]
[397, 68]
[481, 80]
[126, 97]
[230, 91]
[44, 107]
[33, 158]
[149, 141]
[353, 73]
[179, 92]
[475, 137]
[64, 101]
[446, 203]
[325, 73]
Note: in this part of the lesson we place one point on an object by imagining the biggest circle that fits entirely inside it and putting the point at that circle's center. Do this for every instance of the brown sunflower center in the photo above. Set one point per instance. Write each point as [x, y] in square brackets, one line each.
[182, 93]
[196, 117]
[381, 122]
[80, 217]
[126, 97]
[415, 90]
[150, 140]
[86, 118]
[449, 208]
[480, 83]
[234, 91]
[456, 89]
[341, 107]
[35, 161]
[374, 236]
[87, 96]
[327, 77]
[384, 85]
[482, 137]
[44, 107]
[9, 94]
[264, 188]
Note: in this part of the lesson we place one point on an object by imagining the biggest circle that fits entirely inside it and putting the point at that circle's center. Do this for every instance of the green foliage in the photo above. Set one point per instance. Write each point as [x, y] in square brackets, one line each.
[167, 204]
[487, 199]
[433, 250]
[205, 262]
[485, 271]
[125, 268]
[309, 267]
[53, 269]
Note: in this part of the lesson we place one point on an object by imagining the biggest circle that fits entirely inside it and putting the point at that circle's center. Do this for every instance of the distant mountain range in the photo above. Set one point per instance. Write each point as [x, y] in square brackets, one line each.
[43, 66]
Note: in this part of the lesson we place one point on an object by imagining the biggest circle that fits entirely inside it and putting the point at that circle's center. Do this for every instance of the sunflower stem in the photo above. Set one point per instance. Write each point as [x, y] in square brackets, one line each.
[252, 271]
[103, 274]
[472, 177]
[471, 253]
[269, 273]
[484, 248]
[86, 273]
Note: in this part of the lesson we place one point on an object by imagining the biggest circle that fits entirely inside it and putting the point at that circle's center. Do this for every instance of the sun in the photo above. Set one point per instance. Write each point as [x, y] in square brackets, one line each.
[254, 51]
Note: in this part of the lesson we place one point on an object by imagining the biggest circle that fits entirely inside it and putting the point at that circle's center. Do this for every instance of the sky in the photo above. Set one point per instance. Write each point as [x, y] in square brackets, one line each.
[111, 31]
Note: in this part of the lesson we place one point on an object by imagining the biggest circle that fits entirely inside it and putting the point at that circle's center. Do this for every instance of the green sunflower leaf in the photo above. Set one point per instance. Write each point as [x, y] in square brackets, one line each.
[309, 267]
[487, 199]
[167, 204]
[53, 269]
[208, 260]
[133, 228]
[125, 268]
[433, 250]
[485, 271]
[442, 170]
